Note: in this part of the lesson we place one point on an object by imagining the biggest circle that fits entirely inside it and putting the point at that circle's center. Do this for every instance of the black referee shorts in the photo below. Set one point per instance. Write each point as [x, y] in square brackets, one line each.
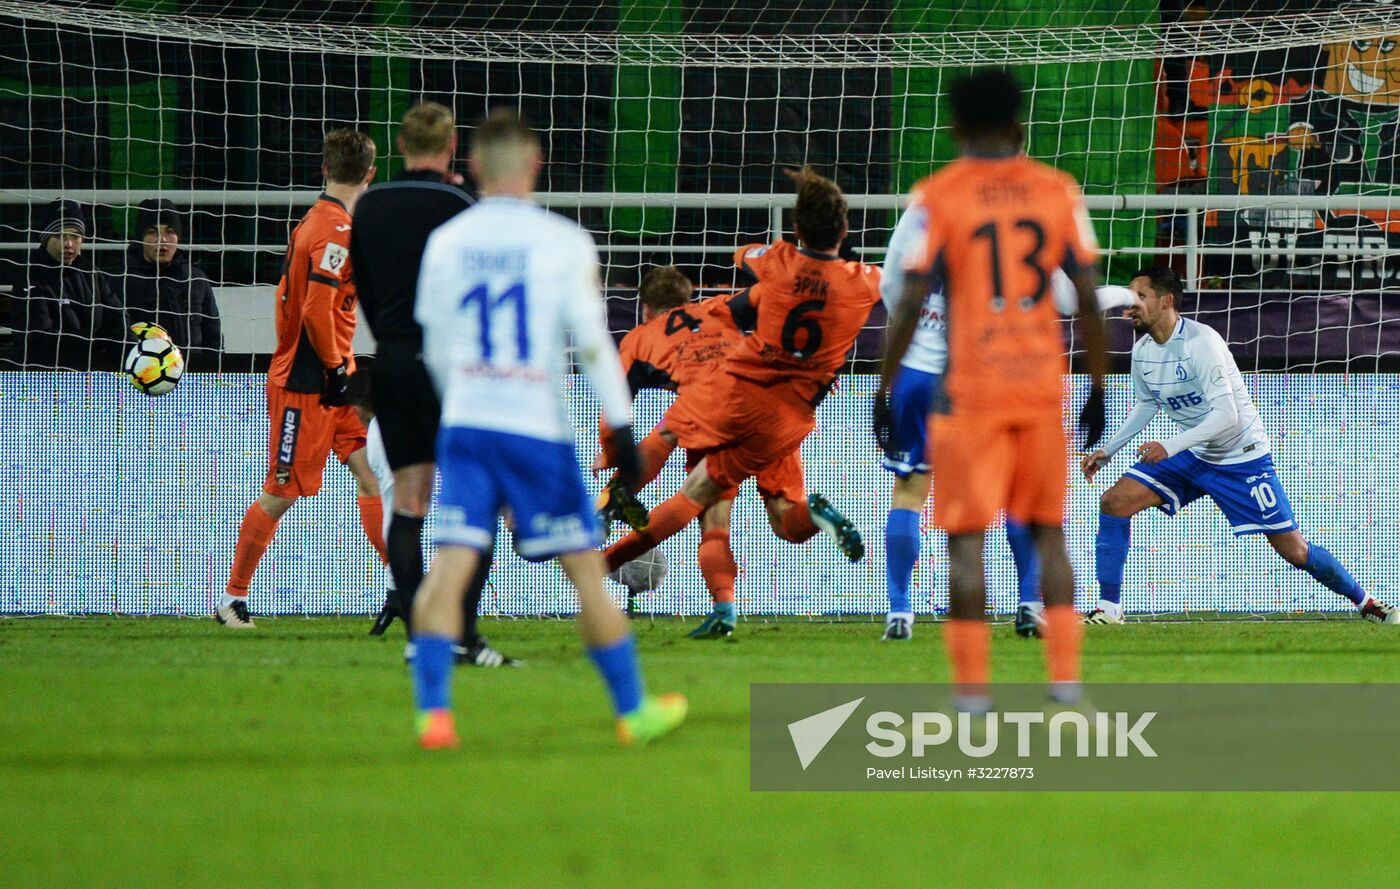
[406, 405]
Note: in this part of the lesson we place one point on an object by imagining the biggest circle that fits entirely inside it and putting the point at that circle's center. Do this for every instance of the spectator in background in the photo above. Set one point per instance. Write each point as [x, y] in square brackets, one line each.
[62, 312]
[158, 284]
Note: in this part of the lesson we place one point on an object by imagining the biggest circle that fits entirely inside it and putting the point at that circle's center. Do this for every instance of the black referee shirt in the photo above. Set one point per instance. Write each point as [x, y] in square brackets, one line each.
[391, 227]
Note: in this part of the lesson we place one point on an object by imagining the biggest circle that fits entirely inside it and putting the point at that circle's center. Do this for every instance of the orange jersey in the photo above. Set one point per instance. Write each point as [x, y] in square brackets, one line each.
[996, 231]
[676, 347]
[315, 300]
[807, 309]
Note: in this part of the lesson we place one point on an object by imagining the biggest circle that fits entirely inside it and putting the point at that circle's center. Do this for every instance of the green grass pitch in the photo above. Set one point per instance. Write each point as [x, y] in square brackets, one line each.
[158, 752]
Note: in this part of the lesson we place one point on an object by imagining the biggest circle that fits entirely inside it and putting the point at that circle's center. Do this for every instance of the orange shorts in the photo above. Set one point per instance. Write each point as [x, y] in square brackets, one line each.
[983, 465]
[303, 433]
[745, 430]
[782, 479]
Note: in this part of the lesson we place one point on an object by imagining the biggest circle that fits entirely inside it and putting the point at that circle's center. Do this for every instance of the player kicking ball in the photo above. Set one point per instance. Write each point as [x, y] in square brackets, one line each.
[750, 414]
[504, 287]
[1184, 368]
[677, 347]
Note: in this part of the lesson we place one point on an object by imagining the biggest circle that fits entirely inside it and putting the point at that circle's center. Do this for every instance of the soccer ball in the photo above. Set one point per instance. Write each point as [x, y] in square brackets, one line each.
[154, 365]
[644, 573]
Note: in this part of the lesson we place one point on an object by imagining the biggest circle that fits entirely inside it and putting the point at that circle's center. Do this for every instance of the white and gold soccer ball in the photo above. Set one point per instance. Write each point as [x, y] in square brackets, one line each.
[644, 573]
[154, 364]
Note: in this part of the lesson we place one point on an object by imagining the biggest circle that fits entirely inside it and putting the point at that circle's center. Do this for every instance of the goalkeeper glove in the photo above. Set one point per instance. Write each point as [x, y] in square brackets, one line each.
[883, 420]
[336, 391]
[625, 458]
[1091, 417]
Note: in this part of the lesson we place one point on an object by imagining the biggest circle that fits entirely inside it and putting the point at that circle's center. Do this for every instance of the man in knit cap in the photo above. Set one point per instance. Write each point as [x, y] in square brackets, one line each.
[62, 312]
[158, 284]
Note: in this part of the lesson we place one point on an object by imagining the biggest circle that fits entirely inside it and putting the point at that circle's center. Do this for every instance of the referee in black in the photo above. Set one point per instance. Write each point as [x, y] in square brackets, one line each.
[391, 226]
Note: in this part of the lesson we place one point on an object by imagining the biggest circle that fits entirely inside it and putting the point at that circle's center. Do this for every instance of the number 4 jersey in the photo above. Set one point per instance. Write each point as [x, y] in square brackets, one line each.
[504, 289]
[678, 346]
[995, 231]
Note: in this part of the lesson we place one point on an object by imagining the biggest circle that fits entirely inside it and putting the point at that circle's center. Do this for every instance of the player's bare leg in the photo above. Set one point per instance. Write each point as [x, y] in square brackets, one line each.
[607, 635]
[966, 633]
[254, 535]
[719, 570]
[902, 551]
[1324, 567]
[1063, 630]
[1117, 506]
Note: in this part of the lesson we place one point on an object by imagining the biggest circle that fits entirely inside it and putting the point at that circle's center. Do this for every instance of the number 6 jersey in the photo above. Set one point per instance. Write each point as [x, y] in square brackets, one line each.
[505, 286]
[806, 311]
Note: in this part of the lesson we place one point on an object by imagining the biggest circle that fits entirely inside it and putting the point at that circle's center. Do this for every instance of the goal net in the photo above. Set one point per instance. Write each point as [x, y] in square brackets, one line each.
[1252, 146]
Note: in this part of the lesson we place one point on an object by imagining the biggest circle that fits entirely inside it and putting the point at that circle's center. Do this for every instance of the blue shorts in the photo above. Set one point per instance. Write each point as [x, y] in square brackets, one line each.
[1248, 493]
[485, 472]
[911, 399]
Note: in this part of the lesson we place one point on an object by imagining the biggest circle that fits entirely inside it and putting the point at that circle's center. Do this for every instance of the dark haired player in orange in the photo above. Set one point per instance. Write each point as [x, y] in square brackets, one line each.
[998, 224]
[307, 401]
[751, 413]
[677, 343]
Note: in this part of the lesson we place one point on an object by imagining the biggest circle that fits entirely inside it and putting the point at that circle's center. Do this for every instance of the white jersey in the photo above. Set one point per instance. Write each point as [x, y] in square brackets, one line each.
[379, 466]
[503, 286]
[928, 350]
[1184, 377]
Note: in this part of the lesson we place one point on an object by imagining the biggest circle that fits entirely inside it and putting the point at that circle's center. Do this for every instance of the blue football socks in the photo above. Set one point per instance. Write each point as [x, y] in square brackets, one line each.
[1325, 568]
[432, 672]
[1110, 555]
[618, 665]
[901, 553]
[1027, 561]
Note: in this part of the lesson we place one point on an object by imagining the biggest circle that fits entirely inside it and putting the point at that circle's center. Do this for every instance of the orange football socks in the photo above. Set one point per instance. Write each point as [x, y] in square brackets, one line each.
[372, 521]
[652, 453]
[717, 565]
[666, 520]
[254, 535]
[1064, 636]
[797, 524]
[969, 650]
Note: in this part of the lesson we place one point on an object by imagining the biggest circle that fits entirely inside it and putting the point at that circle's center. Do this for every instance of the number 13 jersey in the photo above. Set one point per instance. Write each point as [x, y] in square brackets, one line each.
[995, 231]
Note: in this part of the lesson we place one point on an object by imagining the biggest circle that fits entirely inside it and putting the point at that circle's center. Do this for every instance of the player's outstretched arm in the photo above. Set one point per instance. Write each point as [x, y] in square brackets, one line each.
[1223, 415]
[1066, 295]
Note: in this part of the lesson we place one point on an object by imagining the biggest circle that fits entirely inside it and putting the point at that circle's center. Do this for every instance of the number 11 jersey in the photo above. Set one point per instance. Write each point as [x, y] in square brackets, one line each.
[995, 230]
[504, 290]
